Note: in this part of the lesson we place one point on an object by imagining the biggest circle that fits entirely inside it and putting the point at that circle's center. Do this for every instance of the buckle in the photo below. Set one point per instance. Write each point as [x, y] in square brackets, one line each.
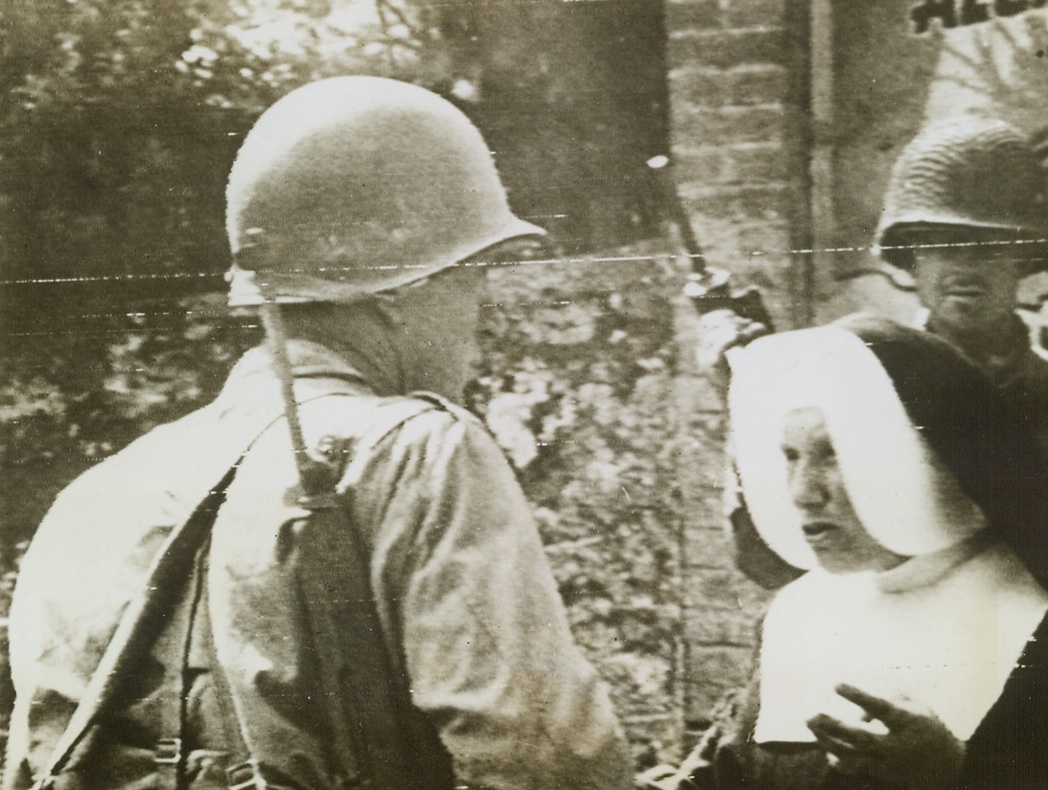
[168, 751]
[327, 501]
[250, 775]
[245, 776]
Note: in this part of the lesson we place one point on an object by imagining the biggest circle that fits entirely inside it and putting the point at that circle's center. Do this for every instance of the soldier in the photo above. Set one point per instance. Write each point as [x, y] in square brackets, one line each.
[327, 582]
[966, 216]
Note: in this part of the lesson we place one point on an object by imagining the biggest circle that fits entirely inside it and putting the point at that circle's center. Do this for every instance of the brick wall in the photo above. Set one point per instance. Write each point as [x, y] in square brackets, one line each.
[595, 396]
[736, 77]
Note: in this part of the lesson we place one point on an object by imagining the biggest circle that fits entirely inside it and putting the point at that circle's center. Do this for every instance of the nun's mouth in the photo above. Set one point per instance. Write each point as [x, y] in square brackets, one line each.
[815, 531]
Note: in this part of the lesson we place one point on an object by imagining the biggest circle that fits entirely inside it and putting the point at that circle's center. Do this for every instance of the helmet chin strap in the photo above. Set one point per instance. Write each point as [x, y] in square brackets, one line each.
[276, 342]
[314, 477]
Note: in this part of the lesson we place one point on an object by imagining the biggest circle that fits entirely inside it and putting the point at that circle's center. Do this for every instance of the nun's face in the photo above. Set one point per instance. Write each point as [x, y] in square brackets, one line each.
[831, 525]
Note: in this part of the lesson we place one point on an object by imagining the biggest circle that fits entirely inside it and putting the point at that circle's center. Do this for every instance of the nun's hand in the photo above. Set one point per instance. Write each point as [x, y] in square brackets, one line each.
[912, 748]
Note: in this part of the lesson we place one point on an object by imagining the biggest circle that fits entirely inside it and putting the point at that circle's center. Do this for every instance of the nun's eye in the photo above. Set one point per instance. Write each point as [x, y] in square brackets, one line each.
[824, 451]
[791, 453]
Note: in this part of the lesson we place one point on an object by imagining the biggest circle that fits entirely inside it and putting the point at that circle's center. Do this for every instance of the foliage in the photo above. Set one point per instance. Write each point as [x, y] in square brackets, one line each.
[579, 368]
[120, 120]
[259, 49]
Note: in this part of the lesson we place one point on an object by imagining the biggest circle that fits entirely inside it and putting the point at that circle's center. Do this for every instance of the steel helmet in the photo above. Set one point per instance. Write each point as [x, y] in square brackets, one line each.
[971, 171]
[353, 185]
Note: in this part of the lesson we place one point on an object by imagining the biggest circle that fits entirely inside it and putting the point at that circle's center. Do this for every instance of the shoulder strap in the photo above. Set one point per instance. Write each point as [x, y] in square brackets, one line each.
[393, 415]
[170, 565]
[371, 731]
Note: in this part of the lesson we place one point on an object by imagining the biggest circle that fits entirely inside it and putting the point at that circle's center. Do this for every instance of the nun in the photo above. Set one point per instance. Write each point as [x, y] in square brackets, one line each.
[912, 653]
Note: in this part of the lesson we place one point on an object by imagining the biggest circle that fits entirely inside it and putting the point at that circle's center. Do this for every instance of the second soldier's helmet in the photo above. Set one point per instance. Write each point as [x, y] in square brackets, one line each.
[354, 185]
[971, 172]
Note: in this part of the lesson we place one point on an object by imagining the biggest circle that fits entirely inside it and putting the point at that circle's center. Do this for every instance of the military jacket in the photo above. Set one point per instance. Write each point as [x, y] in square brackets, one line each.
[476, 634]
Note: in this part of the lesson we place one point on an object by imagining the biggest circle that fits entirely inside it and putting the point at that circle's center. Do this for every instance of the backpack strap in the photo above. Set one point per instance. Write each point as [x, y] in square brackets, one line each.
[171, 564]
[369, 739]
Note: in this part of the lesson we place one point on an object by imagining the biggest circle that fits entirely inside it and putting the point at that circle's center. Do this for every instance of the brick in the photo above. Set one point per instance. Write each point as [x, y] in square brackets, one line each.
[743, 85]
[754, 13]
[696, 126]
[720, 238]
[684, 15]
[756, 84]
[707, 164]
[696, 494]
[701, 86]
[757, 162]
[643, 683]
[744, 238]
[705, 431]
[744, 202]
[727, 48]
[655, 739]
[696, 393]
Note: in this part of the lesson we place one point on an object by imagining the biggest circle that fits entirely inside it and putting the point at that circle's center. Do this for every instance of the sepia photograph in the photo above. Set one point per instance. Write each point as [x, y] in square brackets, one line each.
[523, 394]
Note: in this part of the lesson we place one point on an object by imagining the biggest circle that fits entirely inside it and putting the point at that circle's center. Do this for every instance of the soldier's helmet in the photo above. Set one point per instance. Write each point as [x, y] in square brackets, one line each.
[354, 185]
[970, 172]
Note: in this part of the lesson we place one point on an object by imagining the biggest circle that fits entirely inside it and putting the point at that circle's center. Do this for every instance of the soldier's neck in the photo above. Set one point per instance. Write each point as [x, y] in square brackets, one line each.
[359, 338]
[369, 336]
